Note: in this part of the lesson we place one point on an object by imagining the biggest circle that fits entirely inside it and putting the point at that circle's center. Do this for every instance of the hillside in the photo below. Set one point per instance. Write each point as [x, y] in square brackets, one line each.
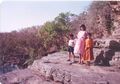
[102, 18]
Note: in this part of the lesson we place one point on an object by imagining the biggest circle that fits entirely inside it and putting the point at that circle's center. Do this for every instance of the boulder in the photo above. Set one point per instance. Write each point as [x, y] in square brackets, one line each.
[116, 33]
[116, 60]
[104, 57]
[108, 43]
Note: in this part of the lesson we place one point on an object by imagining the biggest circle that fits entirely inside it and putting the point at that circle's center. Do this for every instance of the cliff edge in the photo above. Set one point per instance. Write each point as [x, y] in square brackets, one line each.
[54, 69]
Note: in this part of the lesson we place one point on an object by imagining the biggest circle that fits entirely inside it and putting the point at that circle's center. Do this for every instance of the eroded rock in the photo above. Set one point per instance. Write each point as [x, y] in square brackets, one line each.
[58, 69]
[54, 69]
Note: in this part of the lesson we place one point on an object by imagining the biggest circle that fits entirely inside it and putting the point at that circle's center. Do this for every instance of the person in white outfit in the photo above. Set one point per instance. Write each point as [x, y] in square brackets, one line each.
[71, 44]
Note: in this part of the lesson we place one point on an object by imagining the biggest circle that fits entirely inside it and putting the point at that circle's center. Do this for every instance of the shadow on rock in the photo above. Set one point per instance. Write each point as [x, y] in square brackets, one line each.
[114, 45]
[104, 57]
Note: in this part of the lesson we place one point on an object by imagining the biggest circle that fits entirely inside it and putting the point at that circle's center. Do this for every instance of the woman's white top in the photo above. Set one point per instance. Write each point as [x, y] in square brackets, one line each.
[81, 34]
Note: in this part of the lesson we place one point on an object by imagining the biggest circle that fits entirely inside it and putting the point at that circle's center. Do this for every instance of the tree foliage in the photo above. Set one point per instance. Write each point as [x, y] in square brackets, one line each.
[34, 42]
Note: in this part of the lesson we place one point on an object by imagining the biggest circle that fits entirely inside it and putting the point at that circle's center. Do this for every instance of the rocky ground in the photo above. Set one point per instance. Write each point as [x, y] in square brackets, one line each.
[54, 69]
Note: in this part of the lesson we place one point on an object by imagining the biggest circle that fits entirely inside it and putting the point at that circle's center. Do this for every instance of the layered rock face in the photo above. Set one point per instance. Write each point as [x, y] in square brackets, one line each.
[115, 5]
[54, 69]
[112, 42]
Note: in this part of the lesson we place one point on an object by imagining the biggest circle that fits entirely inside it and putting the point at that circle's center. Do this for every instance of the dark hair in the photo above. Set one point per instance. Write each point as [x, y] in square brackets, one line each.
[83, 27]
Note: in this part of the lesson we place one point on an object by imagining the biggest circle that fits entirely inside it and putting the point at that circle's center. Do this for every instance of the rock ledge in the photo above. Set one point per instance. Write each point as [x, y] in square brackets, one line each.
[54, 69]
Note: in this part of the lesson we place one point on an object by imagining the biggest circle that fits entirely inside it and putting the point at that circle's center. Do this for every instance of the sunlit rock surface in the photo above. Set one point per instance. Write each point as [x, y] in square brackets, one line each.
[54, 69]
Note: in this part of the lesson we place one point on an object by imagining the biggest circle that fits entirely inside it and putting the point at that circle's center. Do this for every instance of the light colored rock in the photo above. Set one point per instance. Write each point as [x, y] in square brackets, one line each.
[96, 51]
[116, 33]
[58, 75]
[67, 78]
[102, 82]
[58, 69]
[116, 56]
[25, 76]
[54, 69]
[111, 43]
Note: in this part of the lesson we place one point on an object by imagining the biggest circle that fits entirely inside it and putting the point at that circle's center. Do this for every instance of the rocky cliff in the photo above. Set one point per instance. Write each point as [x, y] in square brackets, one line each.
[54, 69]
